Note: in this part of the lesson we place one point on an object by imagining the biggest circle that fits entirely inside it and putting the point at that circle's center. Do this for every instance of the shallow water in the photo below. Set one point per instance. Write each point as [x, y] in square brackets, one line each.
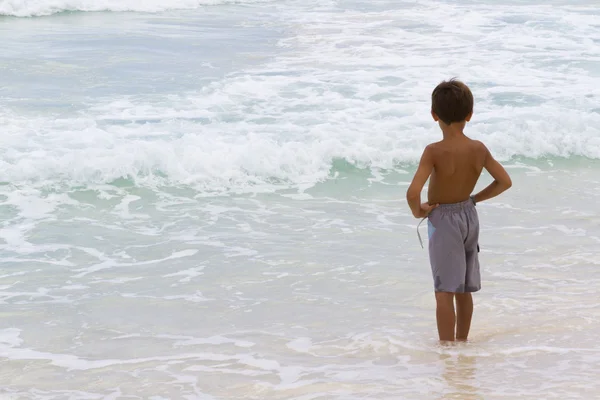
[306, 297]
[208, 203]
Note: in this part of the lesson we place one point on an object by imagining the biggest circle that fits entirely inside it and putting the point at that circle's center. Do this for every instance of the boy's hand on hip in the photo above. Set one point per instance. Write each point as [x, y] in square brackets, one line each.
[426, 208]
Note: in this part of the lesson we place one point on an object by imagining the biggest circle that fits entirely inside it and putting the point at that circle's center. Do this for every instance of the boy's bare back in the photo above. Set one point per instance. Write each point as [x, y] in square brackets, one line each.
[457, 165]
[453, 166]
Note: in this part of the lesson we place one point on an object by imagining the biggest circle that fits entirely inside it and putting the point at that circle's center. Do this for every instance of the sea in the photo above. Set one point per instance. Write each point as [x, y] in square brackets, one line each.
[205, 199]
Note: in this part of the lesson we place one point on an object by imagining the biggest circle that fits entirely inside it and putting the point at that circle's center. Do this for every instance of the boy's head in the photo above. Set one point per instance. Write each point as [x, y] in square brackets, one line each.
[452, 101]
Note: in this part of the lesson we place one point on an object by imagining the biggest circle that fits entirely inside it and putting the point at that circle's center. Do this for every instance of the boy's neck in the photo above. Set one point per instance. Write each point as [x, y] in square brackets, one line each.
[453, 130]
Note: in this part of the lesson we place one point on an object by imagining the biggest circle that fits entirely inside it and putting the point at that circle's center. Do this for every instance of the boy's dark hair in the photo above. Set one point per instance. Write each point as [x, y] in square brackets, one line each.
[452, 101]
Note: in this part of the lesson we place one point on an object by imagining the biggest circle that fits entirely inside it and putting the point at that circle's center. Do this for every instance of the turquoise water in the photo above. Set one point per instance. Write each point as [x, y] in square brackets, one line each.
[205, 200]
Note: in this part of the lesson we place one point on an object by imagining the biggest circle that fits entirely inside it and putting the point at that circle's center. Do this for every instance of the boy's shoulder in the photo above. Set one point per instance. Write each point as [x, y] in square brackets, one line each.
[470, 149]
[468, 143]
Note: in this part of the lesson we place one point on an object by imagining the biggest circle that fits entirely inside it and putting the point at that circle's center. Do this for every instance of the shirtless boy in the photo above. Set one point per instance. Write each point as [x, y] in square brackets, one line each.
[454, 164]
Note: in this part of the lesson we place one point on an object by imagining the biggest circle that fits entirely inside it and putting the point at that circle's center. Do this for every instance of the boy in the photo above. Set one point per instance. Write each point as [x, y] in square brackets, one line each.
[455, 164]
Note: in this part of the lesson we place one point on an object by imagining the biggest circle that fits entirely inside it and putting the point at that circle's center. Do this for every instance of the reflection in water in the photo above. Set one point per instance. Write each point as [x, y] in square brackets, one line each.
[459, 374]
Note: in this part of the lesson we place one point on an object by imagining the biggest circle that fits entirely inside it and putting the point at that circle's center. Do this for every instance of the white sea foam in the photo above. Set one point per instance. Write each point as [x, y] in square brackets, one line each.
[31, 8]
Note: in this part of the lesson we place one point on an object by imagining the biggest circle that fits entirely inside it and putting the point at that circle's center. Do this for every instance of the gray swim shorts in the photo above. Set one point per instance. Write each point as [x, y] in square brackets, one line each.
[454, 246]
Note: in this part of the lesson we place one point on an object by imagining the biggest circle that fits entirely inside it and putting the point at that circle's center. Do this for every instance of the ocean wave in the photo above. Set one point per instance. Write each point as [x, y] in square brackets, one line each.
[34, 8]
[212, 155]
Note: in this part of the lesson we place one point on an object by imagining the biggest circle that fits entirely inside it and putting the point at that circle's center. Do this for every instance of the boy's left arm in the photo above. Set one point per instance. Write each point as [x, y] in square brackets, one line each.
[413, 194]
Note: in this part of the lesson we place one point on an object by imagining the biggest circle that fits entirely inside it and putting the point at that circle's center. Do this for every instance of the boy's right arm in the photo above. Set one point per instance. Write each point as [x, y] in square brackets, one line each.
[501, 179]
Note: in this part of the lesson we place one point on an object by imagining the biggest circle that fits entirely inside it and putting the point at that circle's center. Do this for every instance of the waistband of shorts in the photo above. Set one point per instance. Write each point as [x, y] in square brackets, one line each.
[463, 205]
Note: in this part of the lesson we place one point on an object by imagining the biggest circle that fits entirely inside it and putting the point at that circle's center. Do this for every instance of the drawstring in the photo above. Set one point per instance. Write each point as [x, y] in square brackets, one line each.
[419, 233]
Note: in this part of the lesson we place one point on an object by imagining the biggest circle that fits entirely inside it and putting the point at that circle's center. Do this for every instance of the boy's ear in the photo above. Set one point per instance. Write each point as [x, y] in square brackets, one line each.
[469, 117]
[435, 117]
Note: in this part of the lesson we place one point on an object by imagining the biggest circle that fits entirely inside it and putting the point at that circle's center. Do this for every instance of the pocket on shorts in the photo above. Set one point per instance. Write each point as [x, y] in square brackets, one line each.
[430, 228]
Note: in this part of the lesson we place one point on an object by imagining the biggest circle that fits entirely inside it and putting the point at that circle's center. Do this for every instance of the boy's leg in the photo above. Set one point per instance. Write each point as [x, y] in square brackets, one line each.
[447, 227]
[464, 301]
[464, 312]
[446, 319]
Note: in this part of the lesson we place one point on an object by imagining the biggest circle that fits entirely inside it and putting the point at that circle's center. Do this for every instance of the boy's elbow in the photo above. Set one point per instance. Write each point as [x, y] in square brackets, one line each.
[504, 184]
